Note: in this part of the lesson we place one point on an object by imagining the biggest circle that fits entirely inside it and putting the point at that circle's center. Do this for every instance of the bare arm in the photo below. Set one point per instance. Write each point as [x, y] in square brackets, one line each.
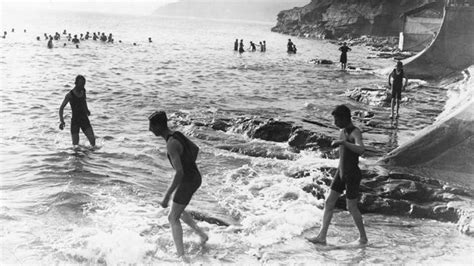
[61, 110]
[174, 151]
[358, 145]
[390, 79]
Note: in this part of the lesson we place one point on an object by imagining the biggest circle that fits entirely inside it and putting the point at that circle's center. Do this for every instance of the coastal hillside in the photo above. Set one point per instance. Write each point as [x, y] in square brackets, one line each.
[259, 10]
[338, 18]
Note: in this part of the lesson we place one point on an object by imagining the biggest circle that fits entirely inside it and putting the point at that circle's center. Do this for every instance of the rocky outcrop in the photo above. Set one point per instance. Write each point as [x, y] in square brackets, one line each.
[339, 18]
[397, 193]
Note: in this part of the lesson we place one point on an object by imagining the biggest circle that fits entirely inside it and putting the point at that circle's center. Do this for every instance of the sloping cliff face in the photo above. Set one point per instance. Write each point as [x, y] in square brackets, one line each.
[344, 18]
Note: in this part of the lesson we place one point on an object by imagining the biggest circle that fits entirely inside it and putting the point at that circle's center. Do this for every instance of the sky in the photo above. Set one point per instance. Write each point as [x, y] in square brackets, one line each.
[137, 7]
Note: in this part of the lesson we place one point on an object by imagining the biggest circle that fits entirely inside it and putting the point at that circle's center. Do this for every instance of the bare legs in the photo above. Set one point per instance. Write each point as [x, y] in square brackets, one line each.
[327, 216]
[397, 102]
[89, 134]
[354, 210]
[177, 212]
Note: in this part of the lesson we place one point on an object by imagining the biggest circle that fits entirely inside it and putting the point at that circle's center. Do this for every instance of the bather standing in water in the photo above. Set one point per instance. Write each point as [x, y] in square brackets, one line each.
[80, 112]
[241, 46]
[344, 49]
[348, 175]
[397, 86]
[182, 154]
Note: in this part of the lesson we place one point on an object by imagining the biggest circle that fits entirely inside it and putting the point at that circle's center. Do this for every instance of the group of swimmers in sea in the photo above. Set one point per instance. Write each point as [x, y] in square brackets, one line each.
[239, 46]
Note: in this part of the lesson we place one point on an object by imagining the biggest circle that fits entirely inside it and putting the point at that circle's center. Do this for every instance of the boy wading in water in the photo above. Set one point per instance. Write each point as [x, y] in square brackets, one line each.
[80, 113]
[397, 86]
[348, 174]
[182, 154]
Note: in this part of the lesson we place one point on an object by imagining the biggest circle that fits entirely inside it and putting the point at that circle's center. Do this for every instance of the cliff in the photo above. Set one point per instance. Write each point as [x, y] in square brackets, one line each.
[344, 18]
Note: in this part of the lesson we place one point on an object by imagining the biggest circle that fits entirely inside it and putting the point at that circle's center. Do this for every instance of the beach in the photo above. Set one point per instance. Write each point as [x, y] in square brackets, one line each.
[80, 206]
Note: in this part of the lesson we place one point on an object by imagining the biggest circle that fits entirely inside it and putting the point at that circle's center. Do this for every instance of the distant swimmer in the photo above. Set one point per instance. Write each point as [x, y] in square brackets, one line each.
[397, 86]
[182, 154]
[344, 49]
[149, 39]
[289, 46]
[24, 30]
[252, 46]
[75, 40]
[80, 112]
[38, 38]
[241, 46]
[348, 175]
[236, 45]
[50, 42]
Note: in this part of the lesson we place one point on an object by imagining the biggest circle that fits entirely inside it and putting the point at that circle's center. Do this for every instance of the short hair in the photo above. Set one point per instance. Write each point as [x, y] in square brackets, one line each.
[399, 64]
[80, 80]
[159, 118]
[342, 111]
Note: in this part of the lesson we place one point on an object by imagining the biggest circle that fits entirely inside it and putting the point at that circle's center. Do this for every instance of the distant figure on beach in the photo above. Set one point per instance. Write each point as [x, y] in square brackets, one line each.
[289, 46]
[80, 112]
[4, 34]
[348, 175]
[24, 30]
[149, 39]
[13, 29]
[81, 37]
[46, 36]
[110, 39]
[264, 46]
[344, 49]
[395, 81]
[38, 38]
[64, 32]
[50, 42]
[236, 45]
[252, 46]
[294, 48]
[182, 154]
[75, 40]
[94, 37]
[241, 46]
[103, 37]
[261, 46]
[87, 36]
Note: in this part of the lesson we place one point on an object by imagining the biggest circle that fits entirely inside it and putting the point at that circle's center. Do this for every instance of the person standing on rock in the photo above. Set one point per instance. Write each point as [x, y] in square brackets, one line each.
[344, 49]
[395, 81]
[182, 154]
[348, 175]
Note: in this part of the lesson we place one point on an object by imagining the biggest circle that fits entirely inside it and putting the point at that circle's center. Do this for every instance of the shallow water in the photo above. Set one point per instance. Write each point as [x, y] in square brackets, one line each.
[60, 205]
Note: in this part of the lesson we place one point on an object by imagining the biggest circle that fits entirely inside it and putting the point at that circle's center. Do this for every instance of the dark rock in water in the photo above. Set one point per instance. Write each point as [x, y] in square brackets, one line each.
[364, 114]
[219, 124]
[277, 131]
[321, 61]
[316, 190]
[371, 96]
[302, 138]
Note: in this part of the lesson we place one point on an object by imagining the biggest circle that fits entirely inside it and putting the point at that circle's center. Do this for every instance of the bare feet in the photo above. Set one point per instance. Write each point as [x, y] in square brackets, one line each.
[317, 240]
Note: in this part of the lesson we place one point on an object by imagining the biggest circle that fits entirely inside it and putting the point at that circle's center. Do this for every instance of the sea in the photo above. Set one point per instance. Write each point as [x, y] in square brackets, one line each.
[64, 205]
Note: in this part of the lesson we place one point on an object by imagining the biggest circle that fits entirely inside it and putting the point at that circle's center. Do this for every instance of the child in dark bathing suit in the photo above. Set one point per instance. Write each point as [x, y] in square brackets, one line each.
[348, 174]
[182, 154]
